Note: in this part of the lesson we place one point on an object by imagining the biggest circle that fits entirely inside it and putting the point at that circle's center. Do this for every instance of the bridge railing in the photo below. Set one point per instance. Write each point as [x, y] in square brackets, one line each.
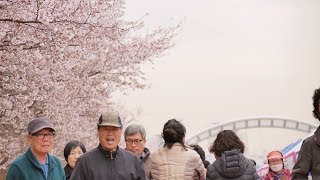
[260, 122]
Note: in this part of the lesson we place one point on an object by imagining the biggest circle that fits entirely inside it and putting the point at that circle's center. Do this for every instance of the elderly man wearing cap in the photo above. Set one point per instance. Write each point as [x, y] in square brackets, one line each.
[37, 163]
[108, 161]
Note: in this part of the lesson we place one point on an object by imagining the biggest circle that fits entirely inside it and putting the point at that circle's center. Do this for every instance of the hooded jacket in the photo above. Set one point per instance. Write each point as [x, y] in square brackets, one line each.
[99, 164]
[308, 159]
[232, 165]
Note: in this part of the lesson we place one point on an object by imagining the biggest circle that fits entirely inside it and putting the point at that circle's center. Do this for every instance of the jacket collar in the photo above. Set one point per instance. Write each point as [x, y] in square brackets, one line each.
[317, 136]
[145, 154]
[109, 154]
[34, 160]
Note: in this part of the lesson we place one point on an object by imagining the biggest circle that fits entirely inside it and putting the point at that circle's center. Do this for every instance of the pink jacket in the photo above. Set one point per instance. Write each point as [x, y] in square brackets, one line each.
[269, 175]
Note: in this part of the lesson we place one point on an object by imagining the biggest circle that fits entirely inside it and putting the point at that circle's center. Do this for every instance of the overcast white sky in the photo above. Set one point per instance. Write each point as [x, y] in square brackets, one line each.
[233, 59]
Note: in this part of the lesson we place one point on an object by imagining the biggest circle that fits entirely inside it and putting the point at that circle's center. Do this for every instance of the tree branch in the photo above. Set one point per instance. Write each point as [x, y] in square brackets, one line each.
[5, 159]
[94, 73]
[38, 8]
[21, 21]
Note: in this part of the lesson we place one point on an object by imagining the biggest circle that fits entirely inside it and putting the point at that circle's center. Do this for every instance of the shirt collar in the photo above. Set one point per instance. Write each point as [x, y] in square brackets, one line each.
[47, 158]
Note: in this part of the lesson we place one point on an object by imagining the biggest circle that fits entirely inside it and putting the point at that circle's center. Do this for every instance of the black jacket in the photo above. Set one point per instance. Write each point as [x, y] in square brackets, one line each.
[308, 159]
[232, 165]
[145, 155]
[99, 164]
[68, 171]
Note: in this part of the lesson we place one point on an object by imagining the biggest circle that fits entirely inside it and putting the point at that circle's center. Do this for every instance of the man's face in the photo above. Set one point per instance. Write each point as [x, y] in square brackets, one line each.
[109, 137]
[135, 143]
[42, 141]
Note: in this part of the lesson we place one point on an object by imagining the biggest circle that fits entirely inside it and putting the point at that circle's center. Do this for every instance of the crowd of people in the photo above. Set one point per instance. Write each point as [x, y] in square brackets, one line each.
[176, 160]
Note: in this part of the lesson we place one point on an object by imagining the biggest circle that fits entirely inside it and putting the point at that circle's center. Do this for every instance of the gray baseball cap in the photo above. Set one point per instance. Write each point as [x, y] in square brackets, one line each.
[38, 124]
[110, 119]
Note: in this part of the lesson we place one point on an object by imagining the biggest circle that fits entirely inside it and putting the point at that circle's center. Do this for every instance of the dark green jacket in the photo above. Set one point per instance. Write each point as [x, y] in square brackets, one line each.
[26, 167]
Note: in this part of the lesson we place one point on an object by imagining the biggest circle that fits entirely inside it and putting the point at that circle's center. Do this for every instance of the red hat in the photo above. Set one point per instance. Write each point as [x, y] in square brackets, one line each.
[274, 155]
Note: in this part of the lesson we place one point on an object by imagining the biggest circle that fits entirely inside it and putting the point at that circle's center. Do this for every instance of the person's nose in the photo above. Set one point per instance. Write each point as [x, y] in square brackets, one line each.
[110, 133]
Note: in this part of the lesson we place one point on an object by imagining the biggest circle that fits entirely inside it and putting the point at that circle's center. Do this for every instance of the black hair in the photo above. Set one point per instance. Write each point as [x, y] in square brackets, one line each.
[70, 146]
[173, 131]
[316, 101]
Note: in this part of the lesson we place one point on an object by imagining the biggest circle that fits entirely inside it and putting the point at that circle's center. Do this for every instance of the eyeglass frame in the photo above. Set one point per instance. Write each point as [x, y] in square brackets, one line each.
[275, 161]
[48, 135]
[135, 141]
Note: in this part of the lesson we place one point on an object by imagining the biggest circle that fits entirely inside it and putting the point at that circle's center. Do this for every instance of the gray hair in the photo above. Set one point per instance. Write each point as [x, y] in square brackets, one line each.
[133, 129]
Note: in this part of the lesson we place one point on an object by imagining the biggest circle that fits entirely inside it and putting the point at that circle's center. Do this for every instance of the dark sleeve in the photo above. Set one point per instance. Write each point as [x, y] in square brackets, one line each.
[303, 166]
[14, 173]
[210, 172]
[141, 175]
[67, 172]
[80, 170]
[147, 167]
[251, 168]
[254, 170]
[256, 176]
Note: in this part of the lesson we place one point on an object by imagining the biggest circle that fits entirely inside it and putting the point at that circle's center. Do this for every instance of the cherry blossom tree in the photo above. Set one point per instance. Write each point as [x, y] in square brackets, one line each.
[63, 59]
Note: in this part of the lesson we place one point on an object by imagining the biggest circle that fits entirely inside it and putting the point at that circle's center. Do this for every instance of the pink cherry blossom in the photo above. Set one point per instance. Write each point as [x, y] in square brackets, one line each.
[63, 59]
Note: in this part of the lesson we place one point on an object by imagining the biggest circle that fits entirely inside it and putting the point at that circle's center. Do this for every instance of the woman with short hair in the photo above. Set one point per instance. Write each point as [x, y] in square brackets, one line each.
[230, 162]
[72, 151]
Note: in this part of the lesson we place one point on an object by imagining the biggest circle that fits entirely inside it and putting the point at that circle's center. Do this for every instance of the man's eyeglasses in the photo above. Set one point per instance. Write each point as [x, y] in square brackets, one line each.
[41, 136]
[135, 141]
